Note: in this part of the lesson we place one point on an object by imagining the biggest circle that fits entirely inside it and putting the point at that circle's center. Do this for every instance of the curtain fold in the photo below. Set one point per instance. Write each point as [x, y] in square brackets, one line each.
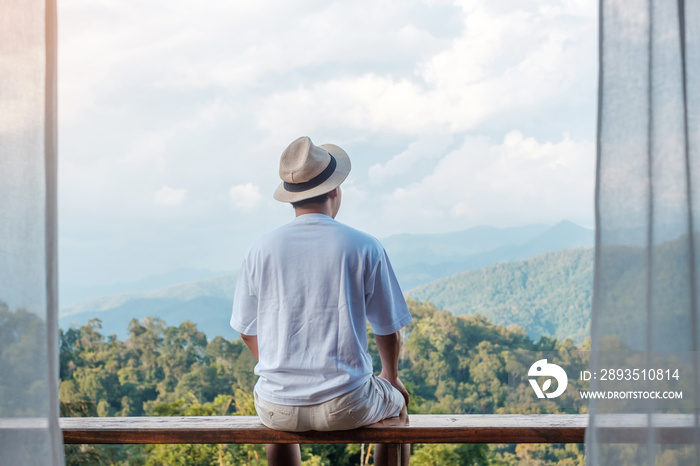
[645, 303]
[29, 430]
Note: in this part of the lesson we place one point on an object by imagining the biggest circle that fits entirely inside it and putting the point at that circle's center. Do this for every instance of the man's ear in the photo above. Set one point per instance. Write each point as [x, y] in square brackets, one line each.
[333, 194]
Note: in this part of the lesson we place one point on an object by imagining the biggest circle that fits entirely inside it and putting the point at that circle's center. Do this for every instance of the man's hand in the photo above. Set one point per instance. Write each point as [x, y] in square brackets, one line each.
[389, 347]
[396, 383]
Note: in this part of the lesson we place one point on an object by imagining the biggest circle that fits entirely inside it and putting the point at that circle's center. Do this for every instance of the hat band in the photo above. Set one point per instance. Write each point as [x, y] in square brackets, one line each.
[313, 182]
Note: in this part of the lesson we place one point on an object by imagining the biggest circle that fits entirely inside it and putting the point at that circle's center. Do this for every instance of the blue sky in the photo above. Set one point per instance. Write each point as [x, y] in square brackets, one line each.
[455, 114]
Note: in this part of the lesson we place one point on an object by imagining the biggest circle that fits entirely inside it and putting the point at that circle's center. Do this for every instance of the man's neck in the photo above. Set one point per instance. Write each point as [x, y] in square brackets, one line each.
[324, 209]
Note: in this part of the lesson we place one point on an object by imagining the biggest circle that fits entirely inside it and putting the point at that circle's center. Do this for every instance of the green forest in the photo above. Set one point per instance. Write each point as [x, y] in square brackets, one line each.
[548, 294]
[449, 364]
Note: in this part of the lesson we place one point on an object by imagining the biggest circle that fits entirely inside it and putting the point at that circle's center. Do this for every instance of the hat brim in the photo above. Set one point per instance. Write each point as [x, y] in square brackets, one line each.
[341, 172]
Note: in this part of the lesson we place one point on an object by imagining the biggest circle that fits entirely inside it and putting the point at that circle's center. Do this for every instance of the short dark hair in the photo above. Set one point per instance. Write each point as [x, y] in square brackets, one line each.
[312, 200]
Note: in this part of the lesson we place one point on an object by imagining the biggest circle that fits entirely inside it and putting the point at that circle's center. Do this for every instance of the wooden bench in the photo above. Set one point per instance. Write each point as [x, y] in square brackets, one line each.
[466, 428]
[541, 428]
[462, 428]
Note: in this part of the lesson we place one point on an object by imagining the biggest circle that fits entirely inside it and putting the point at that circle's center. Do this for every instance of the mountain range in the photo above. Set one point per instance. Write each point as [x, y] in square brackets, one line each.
[205, 302]
[418, 260]
[72, 293]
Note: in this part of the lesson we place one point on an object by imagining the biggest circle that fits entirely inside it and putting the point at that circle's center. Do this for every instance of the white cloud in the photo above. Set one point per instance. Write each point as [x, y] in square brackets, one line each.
[110, 47]
[170, 196]
[245, 197]
[518, 181]
[429, 147]
[503, 61]
[368, 102]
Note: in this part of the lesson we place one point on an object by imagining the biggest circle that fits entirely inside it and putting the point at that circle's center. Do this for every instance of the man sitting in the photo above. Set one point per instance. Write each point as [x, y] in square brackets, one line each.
[303, 297]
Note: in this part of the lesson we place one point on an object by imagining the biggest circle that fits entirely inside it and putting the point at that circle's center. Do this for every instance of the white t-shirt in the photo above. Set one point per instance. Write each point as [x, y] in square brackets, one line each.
[306, 290]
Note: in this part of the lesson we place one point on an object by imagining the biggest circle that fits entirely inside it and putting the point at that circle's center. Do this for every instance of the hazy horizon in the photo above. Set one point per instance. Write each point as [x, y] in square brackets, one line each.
[71, 294]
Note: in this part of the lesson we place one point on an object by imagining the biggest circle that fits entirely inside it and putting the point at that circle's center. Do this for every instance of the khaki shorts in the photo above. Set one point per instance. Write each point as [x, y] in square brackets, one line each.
[377, 399]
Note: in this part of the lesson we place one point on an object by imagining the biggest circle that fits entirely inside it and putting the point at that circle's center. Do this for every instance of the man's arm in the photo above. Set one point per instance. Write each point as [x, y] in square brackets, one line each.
[389, 347]
[251, 341]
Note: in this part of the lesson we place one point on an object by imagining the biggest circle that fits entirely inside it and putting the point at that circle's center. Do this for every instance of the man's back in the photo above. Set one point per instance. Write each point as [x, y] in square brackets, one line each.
[302, 299]
[314, 282]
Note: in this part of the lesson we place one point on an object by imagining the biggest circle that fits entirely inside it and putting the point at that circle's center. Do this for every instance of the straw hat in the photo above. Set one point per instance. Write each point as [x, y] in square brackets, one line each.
[308, 171]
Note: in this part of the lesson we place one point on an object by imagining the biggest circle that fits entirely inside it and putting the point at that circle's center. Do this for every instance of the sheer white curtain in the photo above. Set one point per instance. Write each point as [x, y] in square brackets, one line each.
[645, 304]
[29, 432]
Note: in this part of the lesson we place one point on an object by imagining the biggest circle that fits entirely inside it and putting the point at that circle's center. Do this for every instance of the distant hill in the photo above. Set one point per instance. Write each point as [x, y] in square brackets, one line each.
[206, 302]
[71, 293]
[419, 259]
[547, 295]
[434, 249]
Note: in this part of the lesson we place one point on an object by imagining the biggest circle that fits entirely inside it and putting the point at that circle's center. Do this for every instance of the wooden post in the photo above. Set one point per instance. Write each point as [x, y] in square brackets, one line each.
[393, 454]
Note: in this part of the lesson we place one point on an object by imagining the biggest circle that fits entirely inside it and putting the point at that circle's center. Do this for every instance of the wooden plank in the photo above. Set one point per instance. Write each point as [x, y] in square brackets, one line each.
[489, 428]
